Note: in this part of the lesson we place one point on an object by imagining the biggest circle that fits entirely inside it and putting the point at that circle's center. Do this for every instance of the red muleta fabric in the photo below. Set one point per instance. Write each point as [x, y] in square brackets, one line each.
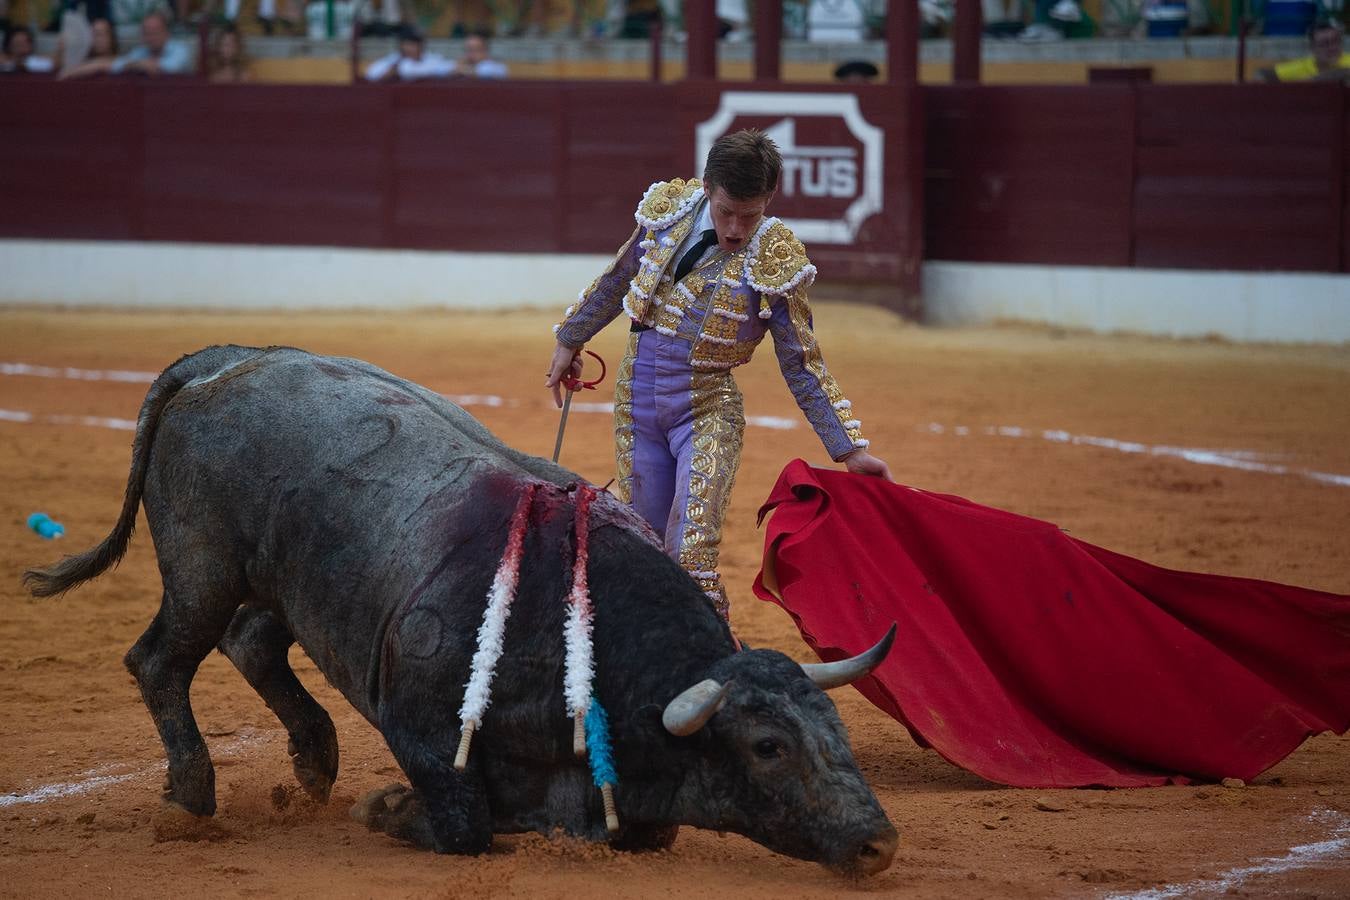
[1037, 660]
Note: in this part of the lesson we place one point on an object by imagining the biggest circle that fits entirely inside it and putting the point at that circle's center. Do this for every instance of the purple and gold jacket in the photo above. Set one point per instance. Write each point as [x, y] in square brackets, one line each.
[723, 307]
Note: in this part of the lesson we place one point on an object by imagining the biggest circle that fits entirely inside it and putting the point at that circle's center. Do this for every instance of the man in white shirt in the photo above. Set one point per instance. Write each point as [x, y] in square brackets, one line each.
[410, 62]
[476, 63]
[157, 55]
[18, 55]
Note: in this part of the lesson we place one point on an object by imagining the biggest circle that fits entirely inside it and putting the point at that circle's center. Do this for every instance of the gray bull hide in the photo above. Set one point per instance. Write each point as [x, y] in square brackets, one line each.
[297, 498]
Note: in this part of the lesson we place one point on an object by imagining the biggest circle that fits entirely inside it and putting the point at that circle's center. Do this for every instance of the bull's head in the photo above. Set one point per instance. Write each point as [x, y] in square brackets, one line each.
[775, 762]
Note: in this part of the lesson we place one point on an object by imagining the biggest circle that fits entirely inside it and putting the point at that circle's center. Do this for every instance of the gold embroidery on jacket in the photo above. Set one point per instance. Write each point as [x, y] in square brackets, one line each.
[799, 313]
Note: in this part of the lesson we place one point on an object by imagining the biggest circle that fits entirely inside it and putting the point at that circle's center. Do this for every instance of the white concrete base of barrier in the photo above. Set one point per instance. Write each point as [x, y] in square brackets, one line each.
[1283, 307]
[216, 276]
[1240, 306]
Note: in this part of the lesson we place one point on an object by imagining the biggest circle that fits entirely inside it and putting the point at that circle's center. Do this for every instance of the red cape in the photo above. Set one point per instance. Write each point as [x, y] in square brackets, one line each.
[1037, 660]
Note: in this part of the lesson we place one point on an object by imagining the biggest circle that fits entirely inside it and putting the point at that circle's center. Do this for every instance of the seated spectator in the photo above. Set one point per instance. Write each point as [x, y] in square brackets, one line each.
[472, 17]
[410, 61]
[93, 9]
[640, 17]
[1328, 61]
[157, 54]
[475, 63]
[101, 55]
[344, 13]
[268, 17]
[382, 18]
[18, 56]
[229, 62]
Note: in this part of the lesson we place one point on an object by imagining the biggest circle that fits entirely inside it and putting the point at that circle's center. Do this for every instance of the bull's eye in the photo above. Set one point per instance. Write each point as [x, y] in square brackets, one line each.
[766, 748]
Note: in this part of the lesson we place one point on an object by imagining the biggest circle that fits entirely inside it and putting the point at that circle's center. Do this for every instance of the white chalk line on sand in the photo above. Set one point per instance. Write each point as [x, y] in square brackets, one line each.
[1244, 460]
[94, 779]
[18, 368]
[1304, 856]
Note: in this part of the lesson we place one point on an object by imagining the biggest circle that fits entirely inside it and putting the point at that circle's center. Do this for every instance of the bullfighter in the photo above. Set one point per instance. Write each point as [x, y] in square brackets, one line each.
[702, 279]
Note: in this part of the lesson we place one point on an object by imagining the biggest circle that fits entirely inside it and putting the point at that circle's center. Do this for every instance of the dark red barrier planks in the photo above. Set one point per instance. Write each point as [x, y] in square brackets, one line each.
[475, 167]
[263, 164]
[1028, 174]
[70, 159]
[1344, 189]
[1239, 177]
[618, 139]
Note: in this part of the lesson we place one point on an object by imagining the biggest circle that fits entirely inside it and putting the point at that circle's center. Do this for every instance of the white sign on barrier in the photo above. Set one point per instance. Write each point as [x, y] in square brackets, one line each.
[832, 157]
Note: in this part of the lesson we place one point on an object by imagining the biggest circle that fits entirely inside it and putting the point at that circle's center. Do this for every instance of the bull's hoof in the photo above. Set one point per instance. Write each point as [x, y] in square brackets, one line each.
[398, 811]
[189, 795]
[315, 766]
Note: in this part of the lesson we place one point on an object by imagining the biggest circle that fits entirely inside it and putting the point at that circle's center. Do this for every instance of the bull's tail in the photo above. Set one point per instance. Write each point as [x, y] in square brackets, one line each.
[73, 570]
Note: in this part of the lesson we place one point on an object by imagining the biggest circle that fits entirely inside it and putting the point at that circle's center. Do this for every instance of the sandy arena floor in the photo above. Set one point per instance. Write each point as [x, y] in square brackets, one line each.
[80, 764]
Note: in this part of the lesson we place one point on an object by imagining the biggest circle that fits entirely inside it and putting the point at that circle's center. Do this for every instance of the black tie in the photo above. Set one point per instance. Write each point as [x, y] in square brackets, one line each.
[695, 253]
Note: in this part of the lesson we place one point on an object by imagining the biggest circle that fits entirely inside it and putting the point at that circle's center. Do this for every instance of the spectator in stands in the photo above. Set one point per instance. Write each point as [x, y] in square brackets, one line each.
[856, 71]
[19, 56]
[410, 61]
[229, 62]
[382, 18]
[1328, 61]
[268, 16]
[102, 51]
[640, 17]
[472, 17]
[531, 19]
[157, 54]
[476, 62]
[93, 9]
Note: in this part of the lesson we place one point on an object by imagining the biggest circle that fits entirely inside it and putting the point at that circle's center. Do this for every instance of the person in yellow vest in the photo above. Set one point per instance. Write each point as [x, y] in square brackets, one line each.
[706, 275]
[1328, 62]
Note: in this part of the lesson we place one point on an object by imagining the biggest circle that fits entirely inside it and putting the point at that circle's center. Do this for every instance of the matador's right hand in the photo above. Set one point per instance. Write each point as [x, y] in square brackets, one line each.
[565, 360]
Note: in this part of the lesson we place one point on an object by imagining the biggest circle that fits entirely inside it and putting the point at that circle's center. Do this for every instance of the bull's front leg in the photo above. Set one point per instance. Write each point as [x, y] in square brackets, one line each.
[445, 810]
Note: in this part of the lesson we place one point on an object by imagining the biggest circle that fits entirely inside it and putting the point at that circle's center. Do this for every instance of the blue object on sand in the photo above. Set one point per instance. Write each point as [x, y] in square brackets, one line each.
[45, 526]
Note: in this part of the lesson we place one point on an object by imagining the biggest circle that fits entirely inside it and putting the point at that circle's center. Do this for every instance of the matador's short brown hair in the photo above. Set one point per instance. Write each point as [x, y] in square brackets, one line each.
[745, 164]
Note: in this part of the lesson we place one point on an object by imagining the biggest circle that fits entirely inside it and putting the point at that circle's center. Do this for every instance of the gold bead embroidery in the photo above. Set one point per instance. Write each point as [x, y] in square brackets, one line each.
[719, 425]
[779, 260]
[623, 422]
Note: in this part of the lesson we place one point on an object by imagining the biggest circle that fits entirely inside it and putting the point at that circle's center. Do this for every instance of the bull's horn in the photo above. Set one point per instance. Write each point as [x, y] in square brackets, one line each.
[692, 709]
[847, 671]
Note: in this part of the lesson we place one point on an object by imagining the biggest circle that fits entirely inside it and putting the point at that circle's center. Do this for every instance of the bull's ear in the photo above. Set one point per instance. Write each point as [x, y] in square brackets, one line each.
[691, 709]
[847, 671]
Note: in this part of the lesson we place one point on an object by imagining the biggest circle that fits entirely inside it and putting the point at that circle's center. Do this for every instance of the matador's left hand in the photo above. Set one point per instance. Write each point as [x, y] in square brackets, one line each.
[860, 462]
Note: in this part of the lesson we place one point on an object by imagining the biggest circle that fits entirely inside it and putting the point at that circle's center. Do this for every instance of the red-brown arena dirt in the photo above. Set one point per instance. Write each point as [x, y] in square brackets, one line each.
[81, 765]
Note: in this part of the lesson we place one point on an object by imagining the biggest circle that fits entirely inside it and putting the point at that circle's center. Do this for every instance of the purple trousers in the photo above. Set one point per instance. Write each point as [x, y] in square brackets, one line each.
[678, 435]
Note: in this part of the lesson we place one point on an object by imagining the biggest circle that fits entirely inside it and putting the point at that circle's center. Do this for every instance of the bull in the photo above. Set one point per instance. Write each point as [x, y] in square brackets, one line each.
[298, 498]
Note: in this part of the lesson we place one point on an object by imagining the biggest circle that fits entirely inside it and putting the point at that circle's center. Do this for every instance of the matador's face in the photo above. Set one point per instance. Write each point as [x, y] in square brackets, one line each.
[735, 220]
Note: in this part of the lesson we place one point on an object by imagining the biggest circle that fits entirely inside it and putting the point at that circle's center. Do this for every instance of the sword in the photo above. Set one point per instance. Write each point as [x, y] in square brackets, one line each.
[562, 424]
[572, 384]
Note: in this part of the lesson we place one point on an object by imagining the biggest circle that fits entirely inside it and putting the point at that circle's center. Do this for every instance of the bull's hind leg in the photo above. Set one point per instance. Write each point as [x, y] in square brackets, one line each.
[257, 643]
[163, 662]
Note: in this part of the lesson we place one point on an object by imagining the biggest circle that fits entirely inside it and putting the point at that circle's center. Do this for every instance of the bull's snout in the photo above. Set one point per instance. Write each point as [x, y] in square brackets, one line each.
[875, 854]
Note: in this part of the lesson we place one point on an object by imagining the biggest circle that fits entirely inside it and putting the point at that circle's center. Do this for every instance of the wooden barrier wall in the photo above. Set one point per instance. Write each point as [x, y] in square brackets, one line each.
[1244, 177]
[1224, 176]
[542, 167]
